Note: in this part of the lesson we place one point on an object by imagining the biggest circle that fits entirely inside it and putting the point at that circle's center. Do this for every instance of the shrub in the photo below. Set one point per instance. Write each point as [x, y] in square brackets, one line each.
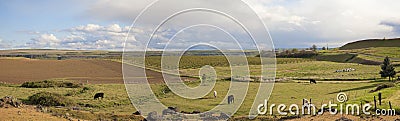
[49, 84]
[84, 90]
[49, 99]
[3, 84]
[165, 89]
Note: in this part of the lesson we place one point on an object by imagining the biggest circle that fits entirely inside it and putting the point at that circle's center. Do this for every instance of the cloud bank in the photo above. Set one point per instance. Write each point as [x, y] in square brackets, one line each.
[292, 24]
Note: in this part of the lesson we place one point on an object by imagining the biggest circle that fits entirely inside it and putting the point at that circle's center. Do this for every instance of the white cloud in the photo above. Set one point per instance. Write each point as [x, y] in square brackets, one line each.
[334, 22]
[45, 40]
[90, 36]
[298, 23]
[2, 45]
[393, 23]
[88, 28]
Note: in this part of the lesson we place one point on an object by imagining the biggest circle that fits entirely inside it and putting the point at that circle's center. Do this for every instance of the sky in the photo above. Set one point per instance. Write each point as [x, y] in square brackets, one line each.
[104, 24]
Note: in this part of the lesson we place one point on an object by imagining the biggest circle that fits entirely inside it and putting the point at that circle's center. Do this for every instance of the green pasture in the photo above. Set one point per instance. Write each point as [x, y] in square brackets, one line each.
[116, 100]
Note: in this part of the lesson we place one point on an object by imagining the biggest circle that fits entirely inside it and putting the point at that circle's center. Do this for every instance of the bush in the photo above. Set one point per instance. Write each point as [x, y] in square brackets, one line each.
[49, 99]
[3, 84]
[84, 90]
[165, 89]
[49, 84]
[383, 86]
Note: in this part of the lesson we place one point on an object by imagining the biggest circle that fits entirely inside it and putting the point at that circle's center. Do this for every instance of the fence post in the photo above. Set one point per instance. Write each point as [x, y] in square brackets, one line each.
[380, 98]
[375, 103]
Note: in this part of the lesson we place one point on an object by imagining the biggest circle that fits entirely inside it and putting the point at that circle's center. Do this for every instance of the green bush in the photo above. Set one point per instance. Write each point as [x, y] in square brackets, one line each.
[165, 89]
[49, 84]
[49, 99]
[85, 89]
[76, 92]
[3, 84]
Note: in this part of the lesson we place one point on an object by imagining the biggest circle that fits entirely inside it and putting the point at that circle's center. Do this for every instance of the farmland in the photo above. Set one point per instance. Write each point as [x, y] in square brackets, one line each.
[105, 75]
[295, 68]
[93, 71]
[194, 62]
[371, 56]
[117, 100]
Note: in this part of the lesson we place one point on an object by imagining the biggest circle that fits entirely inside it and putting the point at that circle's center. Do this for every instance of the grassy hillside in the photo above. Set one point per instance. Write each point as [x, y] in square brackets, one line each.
[372, 43]
[368, 56]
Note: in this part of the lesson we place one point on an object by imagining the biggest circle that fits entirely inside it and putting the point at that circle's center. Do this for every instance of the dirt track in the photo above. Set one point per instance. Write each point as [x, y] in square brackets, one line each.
[17, 71]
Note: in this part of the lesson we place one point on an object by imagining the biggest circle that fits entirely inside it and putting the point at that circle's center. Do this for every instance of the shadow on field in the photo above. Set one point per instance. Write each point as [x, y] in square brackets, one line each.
[217, 104]
[354, 89]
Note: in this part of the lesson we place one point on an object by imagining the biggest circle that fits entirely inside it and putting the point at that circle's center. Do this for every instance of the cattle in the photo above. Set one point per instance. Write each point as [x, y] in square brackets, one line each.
[215, 94]
[346, 70]
[231, 99]
[99, 96]
[313, 81]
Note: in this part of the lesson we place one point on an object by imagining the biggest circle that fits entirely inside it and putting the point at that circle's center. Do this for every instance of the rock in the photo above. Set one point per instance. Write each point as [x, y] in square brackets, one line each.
[9, 101]
[174, 109]
[168, 111]
[343, 119]
[224, 116]
[137, 113]
[152, 116]
[196, 112]
[76, 108]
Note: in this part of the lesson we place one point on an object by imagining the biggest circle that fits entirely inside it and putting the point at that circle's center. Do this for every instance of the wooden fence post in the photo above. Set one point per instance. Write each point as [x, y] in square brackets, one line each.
[380, 98]
[375, 103]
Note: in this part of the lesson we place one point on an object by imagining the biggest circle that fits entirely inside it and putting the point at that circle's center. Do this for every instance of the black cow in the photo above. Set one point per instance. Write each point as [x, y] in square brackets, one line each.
[98, 96]
[313, 81]
[231, 99]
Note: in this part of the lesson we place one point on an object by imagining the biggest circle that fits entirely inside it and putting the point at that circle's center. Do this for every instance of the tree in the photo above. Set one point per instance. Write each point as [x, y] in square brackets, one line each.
[387, 69]
[295, 50]
[324, 48]
[314, 47]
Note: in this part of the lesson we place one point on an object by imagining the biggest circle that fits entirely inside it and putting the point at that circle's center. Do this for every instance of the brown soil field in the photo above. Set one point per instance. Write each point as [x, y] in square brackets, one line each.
[17, 71]
[26, 114]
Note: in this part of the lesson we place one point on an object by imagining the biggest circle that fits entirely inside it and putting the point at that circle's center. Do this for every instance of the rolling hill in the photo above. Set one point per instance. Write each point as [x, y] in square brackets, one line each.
[395, 42]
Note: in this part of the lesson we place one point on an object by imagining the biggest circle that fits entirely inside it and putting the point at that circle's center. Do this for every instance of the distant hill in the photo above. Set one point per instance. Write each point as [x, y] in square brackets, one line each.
[395, 42]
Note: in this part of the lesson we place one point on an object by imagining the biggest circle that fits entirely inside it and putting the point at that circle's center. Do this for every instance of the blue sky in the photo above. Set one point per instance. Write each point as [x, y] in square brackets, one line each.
[102, 24]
